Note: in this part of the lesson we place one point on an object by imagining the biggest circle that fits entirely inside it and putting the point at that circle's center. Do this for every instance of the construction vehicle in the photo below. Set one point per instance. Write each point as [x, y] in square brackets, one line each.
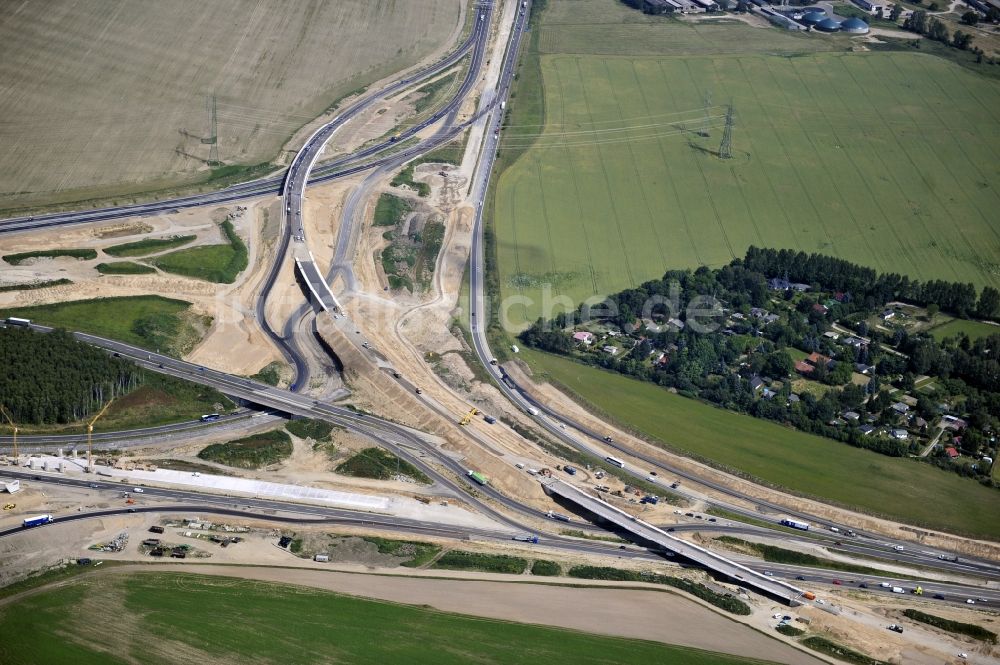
[10, 421]
[129, 502]
[467, 418]
[809, 595]
[90, 434]
[919, 591]
[9, 506]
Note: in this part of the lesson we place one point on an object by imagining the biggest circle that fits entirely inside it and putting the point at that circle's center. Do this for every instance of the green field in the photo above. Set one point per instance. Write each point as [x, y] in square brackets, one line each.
[124, 268]
[887, 159]
[164, 618]
[251, 452]
[974, 329]
[147, 246]
[213, 263]
[898, 488]
[152, 322]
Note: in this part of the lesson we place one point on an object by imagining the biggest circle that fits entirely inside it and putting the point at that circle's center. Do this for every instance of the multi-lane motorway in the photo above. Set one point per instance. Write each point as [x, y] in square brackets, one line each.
[400, 439]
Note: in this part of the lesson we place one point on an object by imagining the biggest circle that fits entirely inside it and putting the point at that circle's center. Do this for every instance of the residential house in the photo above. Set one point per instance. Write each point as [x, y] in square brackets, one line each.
[583, 337]
[770, 318]
[676, 323]
[862, 368]
[900, 408]
[757, 383]
[802, 367]
[899, 434]
[818, 359]
[951, 452]
[822, 309]
[888, 314]
[767, 393]
[757, 312]
[829, 334]
[852, 416]
[866, 430]
[612, 350]
[793, 398]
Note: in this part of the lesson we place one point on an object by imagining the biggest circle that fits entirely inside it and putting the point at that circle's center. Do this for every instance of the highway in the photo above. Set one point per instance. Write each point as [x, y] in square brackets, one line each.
[595, 443]
[190, 503]
[395, 437]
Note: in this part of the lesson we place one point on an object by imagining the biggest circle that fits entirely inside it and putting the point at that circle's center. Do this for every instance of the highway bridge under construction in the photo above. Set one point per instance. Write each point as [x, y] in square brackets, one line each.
[647, 533]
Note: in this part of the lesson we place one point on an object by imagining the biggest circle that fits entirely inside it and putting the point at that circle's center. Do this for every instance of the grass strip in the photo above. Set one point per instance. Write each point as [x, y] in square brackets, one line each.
[418, 553]
[545, 568]
[955, 627]
[830, 648]
[773, 554]
[488, 563]
[124, 268]
[147, 246]
[310, 428]
[31, 286]
[381, 465]
[726, 602]
[79, 254]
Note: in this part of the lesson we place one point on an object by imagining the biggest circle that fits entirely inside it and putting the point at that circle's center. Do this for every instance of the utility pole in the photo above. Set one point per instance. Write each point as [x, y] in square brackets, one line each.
[726, 148]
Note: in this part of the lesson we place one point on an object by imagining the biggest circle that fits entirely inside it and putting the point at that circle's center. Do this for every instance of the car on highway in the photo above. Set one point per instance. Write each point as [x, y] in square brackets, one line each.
[863, 585]
[92, 485]
[837, 582]
[138, 490]
[938, 596]
[652, 473]
[969, 601]
[894, 627]
[609, 440]
[769, 573]
[898, 548]
[800, 578]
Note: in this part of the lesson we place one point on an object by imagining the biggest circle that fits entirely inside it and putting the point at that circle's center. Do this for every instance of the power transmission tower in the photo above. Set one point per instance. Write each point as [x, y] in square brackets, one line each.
[213, 131]
[726, 148]
[708, 105]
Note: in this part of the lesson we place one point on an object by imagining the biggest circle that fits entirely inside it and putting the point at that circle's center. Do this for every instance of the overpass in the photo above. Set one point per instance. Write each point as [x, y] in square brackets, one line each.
[649, 533]
[318, 288]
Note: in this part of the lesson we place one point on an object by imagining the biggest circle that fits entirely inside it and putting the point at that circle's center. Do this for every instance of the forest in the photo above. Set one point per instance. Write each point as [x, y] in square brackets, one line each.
[50, 378]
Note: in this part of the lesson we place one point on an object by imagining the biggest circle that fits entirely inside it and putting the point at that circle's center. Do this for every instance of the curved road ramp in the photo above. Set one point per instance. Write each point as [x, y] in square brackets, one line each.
[647, 532]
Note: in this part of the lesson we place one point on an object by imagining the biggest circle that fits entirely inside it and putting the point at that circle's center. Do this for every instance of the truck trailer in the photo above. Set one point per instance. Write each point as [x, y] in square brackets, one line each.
[795, 524]
[526, 539]
[478, 477]
[38, 520]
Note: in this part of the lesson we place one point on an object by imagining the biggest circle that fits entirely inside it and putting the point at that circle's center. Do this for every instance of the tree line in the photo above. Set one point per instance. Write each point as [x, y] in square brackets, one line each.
[53, 378]
[871, 287]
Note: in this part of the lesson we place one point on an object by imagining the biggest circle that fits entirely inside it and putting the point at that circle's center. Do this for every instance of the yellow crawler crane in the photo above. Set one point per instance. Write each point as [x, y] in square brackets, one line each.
[10, 421]
[90, 433]
[467, 418]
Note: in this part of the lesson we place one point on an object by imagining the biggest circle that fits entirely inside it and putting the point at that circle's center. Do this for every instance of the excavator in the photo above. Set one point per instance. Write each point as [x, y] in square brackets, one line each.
[467, 418]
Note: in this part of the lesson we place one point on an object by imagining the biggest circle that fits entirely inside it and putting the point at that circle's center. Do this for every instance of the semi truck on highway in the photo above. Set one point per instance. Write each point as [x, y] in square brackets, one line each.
[526, 539]
[478, 477]
[795, 524]
[14, 321]
[37, 520]
[556, 516]
[209, 417]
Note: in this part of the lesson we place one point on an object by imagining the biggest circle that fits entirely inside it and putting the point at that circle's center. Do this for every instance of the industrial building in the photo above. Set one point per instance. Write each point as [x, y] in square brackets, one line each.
[828, 25]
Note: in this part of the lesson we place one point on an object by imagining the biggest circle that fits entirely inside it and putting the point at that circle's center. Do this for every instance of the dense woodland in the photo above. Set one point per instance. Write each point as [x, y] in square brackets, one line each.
[721, 367]
[53, 378]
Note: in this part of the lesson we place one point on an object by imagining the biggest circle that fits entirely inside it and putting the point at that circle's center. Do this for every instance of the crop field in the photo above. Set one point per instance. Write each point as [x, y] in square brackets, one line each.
[886, 159]
[898, 488]
[102, 100]
[190, 619]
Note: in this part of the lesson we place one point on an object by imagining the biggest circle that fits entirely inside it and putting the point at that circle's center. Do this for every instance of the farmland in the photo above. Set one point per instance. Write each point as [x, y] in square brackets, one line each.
[974, 329]
[835, 152]
[189, 619]
[106, 101]
[806, 464]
